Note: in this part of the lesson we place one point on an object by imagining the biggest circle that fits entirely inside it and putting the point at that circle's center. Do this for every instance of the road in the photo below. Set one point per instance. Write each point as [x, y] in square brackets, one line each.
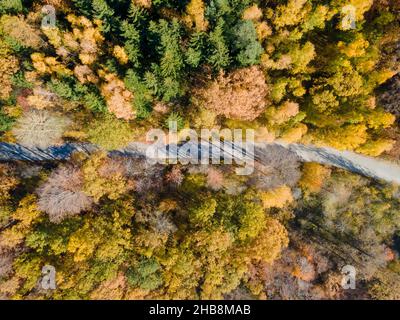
[371, 167]
[368, 166]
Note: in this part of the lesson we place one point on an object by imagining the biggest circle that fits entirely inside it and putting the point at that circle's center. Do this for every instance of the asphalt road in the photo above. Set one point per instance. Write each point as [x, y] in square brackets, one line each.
[371, 167]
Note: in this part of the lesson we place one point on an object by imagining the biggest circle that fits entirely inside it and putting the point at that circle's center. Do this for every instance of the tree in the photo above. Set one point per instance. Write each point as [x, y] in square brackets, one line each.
[6, 263]
[277, 167]
[110, 133]
[175, 176]
[269, 243]
[83, 6]
[253, 13]
[221, 271]
[102, 11]
[102, 239]
[170, 69]
[218, 56]
[132, 43]
[85, 38]
[146, 275]
[195, 54]
[9, 182]
[40, 129]
[343, 138]
[251, 221]
[215, 179]
[143, 98]
[295, 134]
[291, 13]
[112, 289]
[195, 15]
[341, 86]
[49, 65]
[284, 113]
[377, 147]
[85, 75]
[6, 122]
[313, 177]
[202, 212]
[277, 198]
[241, 94]
[103, 177]
[118, 98]
[246, 43]
[143, 3]
[61, 196]
[26, 216]
[12, 6]
[300, 57]
[9, 66]
[19, 30]
[173, 117]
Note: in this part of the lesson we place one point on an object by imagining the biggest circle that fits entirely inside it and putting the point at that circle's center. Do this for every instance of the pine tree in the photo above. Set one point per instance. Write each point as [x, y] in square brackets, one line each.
[218, 56]
[132, 43]
[84, 7]
[166, 40]
[12, 6]
[142, 95]
[195, 51]
[102, 11]
[6, 122]
[172, 58]
[246, 43]
[138, 16]
[173, 4]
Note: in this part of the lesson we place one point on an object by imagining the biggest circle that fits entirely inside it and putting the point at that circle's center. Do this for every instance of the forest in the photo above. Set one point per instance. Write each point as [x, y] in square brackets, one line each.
[324, 73]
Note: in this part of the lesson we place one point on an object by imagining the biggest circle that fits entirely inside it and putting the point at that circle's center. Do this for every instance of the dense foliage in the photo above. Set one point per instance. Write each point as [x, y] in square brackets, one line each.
[115, 227]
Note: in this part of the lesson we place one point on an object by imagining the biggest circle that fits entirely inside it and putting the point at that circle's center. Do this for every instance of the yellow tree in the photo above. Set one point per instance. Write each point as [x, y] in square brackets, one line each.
[268, 245]
[313, 177]
[277, 198]
[195, 15]
[9, 66]
[103, 177]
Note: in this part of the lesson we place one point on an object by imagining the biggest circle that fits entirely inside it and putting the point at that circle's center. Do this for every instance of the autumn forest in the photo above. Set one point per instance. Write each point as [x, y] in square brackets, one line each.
[98, 75]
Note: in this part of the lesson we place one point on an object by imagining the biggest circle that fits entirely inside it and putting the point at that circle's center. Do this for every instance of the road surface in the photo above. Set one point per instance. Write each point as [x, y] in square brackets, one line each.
[371, 167]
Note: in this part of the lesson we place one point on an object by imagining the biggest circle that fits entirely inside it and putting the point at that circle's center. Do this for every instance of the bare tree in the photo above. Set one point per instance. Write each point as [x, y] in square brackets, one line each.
[275, 167]
[156, 220]
[215, 179]
[61, 196]
[6, 263]
[390, 97]
[147, 176]
[175, 176]
[40, 128]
